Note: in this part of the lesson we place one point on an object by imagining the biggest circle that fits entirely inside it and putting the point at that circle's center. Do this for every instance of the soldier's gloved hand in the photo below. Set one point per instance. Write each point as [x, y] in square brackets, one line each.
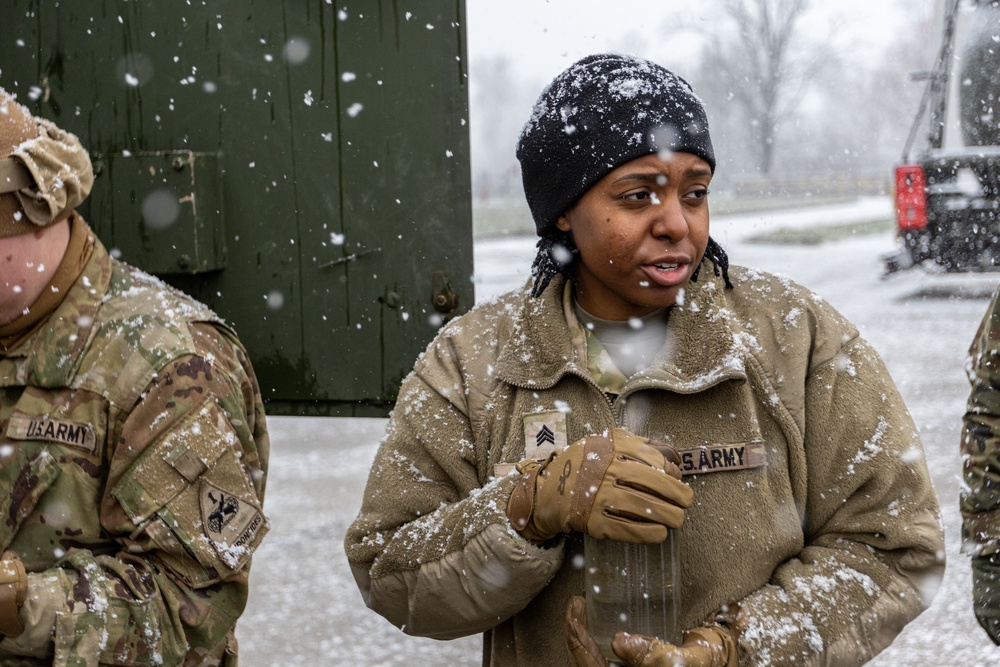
[617, 488]
[710, 646]
[986, 594]
[13, 591]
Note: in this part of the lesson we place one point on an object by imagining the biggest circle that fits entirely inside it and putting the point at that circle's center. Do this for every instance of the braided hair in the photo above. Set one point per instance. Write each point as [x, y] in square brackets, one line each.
[557, 254]
[720, 262]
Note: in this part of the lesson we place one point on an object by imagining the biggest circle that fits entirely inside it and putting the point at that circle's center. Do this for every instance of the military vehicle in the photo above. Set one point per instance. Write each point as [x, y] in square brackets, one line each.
[948, 192]
[301, 167]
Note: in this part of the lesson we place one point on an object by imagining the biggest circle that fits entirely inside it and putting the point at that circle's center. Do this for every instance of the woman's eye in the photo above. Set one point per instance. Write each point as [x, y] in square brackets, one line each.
[636, 196]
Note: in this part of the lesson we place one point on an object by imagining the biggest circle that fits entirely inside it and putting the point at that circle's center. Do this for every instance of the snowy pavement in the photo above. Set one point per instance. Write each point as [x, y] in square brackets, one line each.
[305, 610]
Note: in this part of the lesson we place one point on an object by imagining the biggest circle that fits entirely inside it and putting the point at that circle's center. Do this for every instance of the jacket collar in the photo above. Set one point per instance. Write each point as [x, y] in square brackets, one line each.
[702, 347]
[50, 357]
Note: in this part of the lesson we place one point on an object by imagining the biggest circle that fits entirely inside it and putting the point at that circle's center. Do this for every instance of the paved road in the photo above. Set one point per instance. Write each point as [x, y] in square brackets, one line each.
[305, 610]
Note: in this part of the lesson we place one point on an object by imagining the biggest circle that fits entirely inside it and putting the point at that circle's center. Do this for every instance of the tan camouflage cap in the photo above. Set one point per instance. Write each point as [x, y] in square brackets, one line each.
[44, 171]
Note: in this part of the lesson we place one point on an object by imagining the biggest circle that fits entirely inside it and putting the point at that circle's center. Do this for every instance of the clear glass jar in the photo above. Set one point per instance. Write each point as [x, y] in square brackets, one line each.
[633, 588]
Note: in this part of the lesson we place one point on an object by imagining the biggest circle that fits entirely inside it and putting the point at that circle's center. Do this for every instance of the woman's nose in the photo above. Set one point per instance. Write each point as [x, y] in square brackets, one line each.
[668, 219]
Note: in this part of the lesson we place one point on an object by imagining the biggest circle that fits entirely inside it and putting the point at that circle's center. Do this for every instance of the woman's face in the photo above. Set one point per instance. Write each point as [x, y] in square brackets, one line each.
[641, 231]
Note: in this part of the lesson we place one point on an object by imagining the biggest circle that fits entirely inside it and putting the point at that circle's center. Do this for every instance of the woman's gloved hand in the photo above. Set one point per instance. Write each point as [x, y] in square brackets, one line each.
[618, 487]
[709, 646]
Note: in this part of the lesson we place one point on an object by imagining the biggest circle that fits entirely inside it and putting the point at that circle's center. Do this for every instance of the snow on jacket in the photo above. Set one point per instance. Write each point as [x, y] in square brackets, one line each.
[830, 538]
[134, 454]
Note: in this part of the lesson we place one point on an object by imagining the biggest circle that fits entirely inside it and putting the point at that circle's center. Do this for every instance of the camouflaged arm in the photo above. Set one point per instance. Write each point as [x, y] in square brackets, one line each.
[183, 501]
[980, 444]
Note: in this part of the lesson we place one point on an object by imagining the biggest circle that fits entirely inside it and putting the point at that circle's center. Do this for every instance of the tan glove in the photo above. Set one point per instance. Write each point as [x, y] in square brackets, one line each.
[617, 488]
[13, 591]
[583, 648]
[710, 646]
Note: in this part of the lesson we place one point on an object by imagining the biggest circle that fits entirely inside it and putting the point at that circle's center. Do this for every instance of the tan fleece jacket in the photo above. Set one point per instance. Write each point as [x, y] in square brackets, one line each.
[831, 543]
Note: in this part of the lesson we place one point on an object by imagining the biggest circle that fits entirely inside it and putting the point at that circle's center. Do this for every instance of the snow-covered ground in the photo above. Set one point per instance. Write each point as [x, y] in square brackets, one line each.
[305, 609]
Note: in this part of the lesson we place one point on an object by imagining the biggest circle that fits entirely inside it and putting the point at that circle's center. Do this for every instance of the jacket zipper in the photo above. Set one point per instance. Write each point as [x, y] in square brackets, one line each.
[572, 370]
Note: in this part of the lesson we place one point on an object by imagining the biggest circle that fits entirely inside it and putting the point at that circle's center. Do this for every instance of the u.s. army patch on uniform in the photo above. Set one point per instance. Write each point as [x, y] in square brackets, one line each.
[26, 427]
[719, 458]
[230, 523]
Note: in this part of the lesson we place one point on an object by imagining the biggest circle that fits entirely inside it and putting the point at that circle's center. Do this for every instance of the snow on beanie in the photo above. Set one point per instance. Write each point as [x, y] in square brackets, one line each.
[44, 171]
[600, 113]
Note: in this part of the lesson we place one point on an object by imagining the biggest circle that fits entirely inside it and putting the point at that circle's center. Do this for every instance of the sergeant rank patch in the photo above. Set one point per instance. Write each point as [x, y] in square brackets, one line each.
[230, 523]
[544, 433]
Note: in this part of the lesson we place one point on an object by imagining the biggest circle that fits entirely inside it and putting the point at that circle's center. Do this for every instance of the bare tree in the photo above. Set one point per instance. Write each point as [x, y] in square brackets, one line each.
[890, 93]
[760, 68]
[859, 118]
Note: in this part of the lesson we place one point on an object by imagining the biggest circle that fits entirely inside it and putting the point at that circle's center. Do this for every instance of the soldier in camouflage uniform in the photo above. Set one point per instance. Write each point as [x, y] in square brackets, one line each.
[980, 496]
[133, 445]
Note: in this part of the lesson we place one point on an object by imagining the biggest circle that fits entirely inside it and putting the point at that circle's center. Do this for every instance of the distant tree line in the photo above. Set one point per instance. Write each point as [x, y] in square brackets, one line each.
[782, 104]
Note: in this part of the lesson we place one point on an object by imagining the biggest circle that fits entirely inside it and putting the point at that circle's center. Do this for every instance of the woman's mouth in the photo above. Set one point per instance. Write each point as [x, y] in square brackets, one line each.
[666, 274]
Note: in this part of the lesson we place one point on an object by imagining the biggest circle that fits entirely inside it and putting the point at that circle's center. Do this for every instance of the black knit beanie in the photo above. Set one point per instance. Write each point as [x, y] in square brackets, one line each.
[600, 113]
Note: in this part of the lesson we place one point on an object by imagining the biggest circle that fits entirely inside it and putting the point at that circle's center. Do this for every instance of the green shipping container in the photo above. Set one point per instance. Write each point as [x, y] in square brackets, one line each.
[300, 166]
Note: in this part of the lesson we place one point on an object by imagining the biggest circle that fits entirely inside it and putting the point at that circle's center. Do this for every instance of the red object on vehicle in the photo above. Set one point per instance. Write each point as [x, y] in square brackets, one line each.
[911, 198]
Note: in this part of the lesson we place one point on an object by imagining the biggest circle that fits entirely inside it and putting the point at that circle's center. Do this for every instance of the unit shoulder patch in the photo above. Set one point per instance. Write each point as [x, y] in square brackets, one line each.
[230, 523]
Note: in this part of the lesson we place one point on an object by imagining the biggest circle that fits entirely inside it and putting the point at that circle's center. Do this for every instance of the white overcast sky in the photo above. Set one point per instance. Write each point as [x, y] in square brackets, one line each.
[542, 37]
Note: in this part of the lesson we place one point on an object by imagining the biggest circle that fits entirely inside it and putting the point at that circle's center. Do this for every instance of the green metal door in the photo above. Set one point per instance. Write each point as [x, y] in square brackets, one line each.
[300, 166]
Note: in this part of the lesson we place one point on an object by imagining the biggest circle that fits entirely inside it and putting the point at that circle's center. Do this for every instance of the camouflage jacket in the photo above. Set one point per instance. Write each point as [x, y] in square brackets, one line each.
[980, 495]
[133, 452]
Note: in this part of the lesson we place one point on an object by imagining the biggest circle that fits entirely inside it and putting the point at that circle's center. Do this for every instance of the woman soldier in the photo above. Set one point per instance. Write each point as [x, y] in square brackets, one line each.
[810, 532]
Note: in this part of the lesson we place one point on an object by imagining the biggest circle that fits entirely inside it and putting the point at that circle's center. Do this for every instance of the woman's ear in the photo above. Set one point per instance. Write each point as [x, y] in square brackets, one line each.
[562, 224]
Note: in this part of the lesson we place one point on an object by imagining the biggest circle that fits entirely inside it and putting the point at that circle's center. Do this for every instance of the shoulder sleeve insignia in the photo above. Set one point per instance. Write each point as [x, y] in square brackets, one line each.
[231, 524]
